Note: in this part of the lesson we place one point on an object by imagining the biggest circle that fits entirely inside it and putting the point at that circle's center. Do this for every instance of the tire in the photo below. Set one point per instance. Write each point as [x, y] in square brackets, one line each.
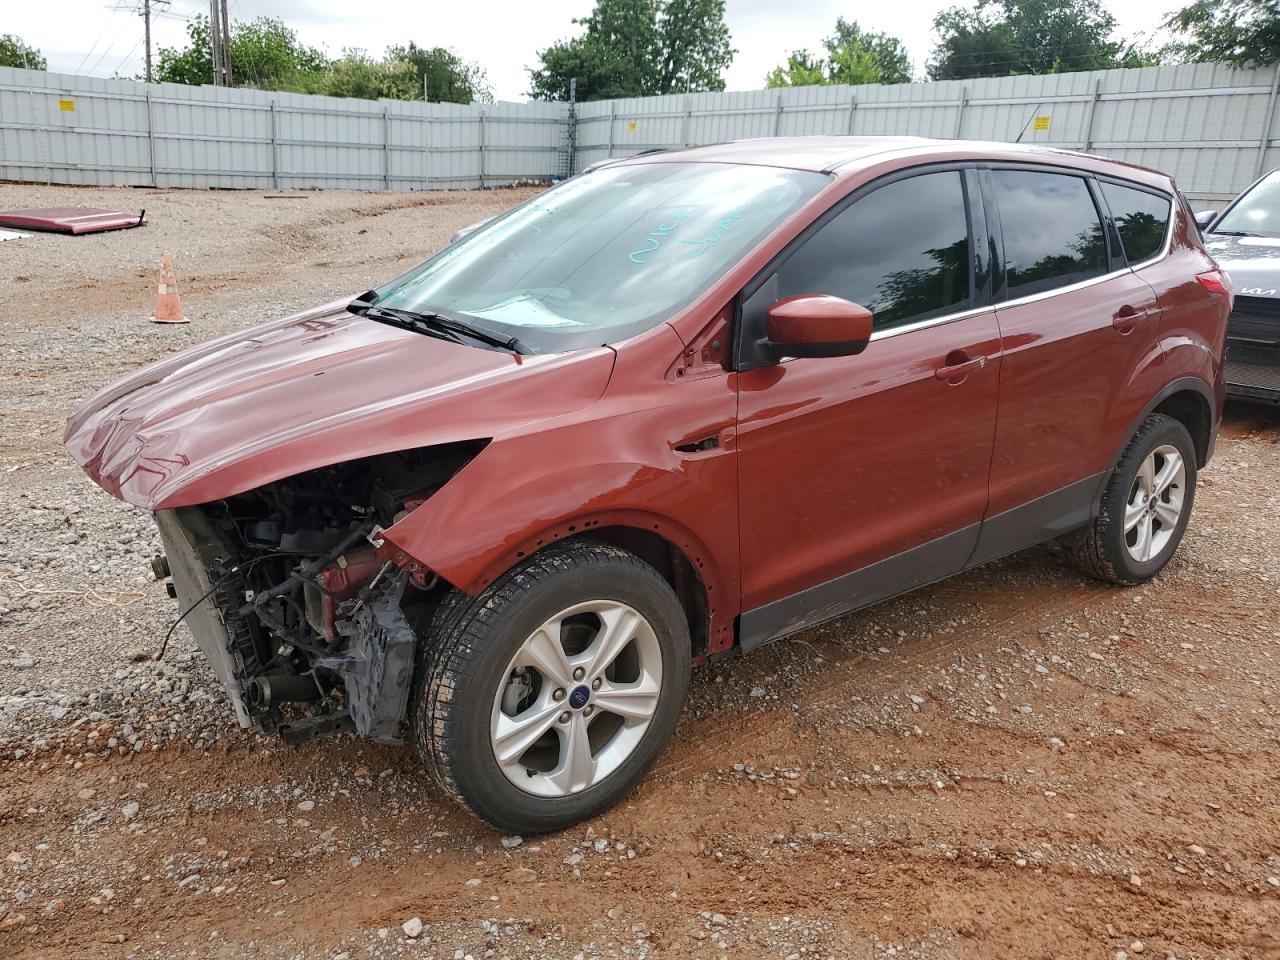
[490, 680]
[1105, 550]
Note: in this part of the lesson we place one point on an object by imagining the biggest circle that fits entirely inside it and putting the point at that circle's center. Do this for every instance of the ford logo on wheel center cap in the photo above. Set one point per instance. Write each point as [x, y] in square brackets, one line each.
[579, 697]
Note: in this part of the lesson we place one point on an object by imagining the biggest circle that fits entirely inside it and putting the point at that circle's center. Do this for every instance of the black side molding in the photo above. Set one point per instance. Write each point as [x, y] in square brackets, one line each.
[927, 563]
[1044, 518]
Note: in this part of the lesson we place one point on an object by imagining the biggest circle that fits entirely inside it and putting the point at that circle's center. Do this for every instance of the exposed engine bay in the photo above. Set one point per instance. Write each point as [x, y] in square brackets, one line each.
[285, 592]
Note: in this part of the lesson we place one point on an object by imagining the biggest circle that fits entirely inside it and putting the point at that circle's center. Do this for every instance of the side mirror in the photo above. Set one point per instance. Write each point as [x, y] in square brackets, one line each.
[817, 325]
[1205, 217]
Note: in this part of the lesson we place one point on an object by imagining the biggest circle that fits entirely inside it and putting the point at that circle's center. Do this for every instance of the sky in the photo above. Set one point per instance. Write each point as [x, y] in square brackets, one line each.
[104, 37]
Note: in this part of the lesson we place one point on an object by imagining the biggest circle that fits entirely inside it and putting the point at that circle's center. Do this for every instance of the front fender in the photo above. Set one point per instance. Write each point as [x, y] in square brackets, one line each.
[617, 465]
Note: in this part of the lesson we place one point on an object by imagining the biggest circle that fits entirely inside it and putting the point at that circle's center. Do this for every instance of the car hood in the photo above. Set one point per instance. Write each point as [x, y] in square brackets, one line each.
[307, 391]
[1253, 263]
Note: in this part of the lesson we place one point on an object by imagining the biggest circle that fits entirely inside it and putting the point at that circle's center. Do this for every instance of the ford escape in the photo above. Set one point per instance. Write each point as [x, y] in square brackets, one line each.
[678, 406]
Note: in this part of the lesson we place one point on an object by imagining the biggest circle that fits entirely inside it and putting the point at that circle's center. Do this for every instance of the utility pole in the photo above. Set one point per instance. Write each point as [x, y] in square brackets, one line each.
[226, 44]
[147, 9]
[215, 40]
[146, 21]
[220, 42]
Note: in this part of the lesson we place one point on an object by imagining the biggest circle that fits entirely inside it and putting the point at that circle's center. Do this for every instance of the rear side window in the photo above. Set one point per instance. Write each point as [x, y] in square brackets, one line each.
[1052, 232]
[901, 251]
[1142, 219]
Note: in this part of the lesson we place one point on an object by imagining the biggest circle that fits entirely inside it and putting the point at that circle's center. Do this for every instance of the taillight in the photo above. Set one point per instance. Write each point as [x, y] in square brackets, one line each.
[1216, 282]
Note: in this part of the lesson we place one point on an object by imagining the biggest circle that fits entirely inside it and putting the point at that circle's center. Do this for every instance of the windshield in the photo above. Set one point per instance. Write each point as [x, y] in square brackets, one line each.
[605, 255]
[1257, 213]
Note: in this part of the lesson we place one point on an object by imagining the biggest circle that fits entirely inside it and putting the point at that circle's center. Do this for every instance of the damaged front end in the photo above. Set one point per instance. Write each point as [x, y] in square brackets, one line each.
[287, 593]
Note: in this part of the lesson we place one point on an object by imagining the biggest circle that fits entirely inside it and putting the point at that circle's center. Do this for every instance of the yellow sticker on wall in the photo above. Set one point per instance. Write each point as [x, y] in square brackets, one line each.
[67, 106]
[1042, 123]
[631, 127]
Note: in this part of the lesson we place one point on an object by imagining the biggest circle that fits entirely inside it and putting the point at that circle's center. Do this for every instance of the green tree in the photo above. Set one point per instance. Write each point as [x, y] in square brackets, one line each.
[802, 69]
[694, 46]
[1243, 32]
[267, 55]
[635, 48]
[854, 55]
[443, 75]
[1001, 37]
[356, 74]
[15, 53]
[264, 53]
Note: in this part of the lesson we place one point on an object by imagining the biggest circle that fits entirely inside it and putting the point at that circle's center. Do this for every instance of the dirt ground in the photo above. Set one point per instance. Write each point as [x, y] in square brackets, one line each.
[1015, 763]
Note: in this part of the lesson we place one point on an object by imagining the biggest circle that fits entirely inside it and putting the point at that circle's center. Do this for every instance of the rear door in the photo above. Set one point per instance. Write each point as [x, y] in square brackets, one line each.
[1081, 354]
[864, 476]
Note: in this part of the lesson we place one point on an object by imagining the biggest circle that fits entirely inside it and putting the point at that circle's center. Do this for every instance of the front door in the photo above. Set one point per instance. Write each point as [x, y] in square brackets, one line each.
[861, 477]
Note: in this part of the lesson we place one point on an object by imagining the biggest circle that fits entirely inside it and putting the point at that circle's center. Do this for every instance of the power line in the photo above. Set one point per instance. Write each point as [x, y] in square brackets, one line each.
[127, 57]
[110, 47]
[102, 33]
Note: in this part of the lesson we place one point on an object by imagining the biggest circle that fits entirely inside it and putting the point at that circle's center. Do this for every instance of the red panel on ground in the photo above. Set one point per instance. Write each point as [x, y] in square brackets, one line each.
[71, 219]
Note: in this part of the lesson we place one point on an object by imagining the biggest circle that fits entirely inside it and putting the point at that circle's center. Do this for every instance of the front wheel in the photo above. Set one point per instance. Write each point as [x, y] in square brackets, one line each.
[547, 698]
[1145, 506]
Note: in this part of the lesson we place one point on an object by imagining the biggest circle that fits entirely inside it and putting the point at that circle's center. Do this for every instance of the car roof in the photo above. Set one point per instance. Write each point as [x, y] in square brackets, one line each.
[850, 155]
[819, 154]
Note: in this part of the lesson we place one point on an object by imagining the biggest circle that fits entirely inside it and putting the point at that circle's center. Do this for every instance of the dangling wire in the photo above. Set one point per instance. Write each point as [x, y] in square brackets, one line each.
[164, 645]
[220, 581]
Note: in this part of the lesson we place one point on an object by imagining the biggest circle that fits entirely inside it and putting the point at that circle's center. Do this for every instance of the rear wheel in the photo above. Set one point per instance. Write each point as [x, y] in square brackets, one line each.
[545, 699]
[1144, 508]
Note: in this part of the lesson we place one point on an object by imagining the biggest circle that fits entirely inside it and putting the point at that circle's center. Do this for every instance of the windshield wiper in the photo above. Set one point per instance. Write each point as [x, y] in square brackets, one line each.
[1230, 233]
[435, 324]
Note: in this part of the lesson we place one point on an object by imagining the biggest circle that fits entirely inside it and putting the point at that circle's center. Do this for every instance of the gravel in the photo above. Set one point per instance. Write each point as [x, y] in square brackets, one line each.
[975, 769]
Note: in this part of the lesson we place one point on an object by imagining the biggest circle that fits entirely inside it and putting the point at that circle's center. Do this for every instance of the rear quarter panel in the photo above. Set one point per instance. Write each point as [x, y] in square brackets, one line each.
[1193, 322]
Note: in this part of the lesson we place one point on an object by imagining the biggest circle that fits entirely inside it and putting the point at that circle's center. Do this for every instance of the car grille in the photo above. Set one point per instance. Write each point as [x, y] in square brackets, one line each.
[1255, 319]
[1257, 380]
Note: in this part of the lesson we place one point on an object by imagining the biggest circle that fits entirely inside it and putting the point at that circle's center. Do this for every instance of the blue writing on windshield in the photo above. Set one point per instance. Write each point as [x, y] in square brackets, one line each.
[654, 240]
[702, 245]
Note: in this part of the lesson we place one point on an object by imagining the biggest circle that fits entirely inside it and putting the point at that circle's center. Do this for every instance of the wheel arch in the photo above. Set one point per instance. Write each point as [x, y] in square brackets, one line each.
[668, 546]
[1190, 408]
[681, 571]
[707, 592]
[1190, 401]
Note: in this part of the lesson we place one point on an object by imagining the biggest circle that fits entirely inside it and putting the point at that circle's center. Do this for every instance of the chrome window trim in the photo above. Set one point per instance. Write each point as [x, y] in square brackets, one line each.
[995, 307]
[887, 332]
[1160, 254]
[1078, 285]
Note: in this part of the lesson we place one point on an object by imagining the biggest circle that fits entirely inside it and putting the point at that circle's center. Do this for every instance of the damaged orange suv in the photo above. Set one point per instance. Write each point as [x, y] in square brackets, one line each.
[678, 406]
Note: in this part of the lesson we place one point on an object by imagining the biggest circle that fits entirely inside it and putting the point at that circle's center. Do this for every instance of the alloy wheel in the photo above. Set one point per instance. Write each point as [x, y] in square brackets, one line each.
[576, 699]
[1155, 503]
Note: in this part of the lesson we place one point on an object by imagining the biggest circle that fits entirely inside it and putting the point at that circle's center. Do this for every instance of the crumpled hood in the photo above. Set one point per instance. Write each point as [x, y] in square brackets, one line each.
[307, 391]
[1253, 263]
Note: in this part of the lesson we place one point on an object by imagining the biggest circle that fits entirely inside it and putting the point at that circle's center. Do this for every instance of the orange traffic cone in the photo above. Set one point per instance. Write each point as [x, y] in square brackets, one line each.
[168, 303]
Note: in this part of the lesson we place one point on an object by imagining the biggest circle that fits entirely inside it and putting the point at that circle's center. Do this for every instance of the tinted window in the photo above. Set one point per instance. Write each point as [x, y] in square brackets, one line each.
[901, 251]
[1052, 233]
[1142, 219]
